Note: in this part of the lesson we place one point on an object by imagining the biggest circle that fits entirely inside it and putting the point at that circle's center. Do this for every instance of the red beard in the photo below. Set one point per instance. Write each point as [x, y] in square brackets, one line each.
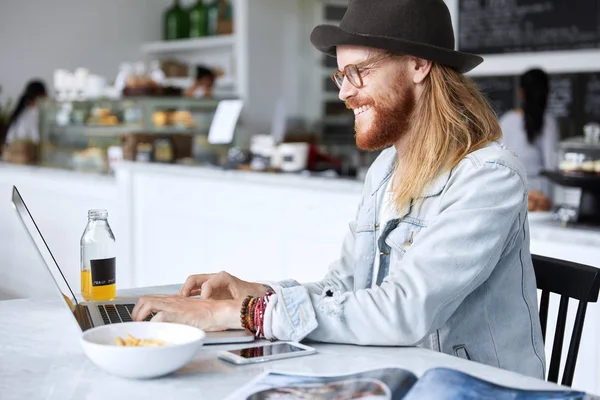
[389, 119]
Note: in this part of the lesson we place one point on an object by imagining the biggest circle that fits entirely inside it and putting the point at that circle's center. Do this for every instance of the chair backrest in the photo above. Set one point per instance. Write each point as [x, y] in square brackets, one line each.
[569, 280]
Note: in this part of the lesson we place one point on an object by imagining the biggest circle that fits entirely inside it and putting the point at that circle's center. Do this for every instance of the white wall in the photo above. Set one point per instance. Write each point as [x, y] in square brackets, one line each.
[271, 49]
[38, 36]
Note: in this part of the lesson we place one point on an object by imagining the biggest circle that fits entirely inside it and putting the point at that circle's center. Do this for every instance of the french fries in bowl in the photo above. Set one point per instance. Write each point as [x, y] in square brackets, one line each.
[142, 350]
[135, 342]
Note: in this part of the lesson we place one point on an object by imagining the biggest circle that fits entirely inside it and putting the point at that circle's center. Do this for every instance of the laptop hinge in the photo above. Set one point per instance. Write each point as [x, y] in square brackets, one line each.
[82, 314]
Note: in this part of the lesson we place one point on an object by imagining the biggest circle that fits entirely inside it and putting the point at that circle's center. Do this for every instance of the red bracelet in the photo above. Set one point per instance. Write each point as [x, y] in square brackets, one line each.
[256, 314]
[262, 308]
[261, 317]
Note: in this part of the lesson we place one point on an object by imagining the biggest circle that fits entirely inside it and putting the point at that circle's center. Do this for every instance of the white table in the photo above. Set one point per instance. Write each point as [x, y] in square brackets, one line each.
[41, 358]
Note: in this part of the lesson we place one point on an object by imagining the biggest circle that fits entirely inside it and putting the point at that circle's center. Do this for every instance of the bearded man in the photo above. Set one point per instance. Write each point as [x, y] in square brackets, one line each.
[437, 255]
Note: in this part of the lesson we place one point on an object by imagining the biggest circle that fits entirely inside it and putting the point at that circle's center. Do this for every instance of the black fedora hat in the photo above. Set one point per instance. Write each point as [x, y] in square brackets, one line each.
[421, 28]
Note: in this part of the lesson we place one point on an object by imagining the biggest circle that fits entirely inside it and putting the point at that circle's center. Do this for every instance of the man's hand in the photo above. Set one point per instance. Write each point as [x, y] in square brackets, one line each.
[221, 286]
[208, 315]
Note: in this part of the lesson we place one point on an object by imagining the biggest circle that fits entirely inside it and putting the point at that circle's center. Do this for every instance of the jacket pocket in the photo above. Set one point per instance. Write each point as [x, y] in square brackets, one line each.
[403, 236]
[393, 247]
[461, 352]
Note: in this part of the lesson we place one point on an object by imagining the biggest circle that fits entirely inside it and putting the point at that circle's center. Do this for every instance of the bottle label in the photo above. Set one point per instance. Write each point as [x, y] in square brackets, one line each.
[103, 271]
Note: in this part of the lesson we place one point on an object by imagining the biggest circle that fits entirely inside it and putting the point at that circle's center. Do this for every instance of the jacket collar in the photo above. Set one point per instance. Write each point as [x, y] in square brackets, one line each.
[383, 168]
[436, 187]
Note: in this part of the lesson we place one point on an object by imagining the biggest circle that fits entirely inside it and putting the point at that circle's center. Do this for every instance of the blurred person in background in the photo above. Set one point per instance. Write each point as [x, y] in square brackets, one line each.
[23, 124]
[5, 108]
[533, 133]
[203, 85]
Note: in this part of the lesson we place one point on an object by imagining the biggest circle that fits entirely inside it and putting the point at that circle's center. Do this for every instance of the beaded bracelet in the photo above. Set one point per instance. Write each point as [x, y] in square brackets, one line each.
[244, 312]
[252, 314]
[251, 317]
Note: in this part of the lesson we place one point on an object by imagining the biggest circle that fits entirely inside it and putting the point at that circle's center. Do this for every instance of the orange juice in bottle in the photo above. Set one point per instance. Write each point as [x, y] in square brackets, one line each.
[98, 258]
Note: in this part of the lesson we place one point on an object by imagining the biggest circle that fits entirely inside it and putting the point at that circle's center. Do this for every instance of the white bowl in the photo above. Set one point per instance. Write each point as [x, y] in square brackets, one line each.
[184, 342]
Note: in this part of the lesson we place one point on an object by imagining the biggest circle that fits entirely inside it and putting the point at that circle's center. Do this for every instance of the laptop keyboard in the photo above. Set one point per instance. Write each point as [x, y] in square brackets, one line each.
[116, 313]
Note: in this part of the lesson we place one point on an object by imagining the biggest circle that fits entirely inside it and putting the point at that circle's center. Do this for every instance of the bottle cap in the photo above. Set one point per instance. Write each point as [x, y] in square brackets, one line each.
[97, 214]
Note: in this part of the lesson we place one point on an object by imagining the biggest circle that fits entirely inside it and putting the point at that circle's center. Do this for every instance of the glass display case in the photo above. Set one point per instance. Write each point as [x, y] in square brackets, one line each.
[581, 155]
[579, 167]
[81, 135]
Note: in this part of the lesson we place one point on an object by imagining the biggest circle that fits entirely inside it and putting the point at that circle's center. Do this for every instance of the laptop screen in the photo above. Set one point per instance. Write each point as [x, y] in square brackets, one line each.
[44, 250]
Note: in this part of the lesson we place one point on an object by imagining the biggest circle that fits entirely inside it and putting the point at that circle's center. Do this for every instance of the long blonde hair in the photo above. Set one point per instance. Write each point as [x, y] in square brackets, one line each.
[451, 119]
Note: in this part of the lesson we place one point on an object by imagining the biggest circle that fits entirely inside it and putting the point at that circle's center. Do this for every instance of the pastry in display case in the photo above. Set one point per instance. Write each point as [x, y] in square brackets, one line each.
[538, 202]
[102, 117]
[579, 167]
[581, 156]
[76, 134]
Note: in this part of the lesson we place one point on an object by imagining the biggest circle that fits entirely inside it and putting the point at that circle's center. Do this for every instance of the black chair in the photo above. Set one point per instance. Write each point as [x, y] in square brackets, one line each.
[569, 280]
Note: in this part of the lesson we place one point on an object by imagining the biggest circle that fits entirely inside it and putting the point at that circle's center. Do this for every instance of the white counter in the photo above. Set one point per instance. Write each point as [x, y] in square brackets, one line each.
[173, 221]
[284, 180]
[47, 362]
[183, 220]
[574, 243]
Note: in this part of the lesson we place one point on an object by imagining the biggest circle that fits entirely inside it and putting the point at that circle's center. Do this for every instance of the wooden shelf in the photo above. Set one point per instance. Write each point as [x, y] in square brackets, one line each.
[222, 42]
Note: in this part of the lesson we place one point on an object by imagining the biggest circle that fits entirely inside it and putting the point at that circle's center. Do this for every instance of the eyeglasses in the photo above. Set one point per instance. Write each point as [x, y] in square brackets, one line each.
[354, 72]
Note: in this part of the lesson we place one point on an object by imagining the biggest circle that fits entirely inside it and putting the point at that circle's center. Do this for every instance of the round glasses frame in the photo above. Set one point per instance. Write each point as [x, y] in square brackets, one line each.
[354, 72]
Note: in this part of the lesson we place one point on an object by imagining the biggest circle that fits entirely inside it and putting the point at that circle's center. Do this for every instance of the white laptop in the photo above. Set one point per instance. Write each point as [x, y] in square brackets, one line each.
[95, 313]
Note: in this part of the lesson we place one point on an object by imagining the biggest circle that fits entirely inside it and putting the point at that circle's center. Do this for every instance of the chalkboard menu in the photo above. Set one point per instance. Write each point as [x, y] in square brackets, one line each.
[562, 95]
[590, 84]
[500, 91]
[511, 26]
[564, 103]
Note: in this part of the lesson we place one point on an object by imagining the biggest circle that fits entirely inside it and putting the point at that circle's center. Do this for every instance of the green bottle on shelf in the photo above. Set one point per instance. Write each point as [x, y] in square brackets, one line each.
[198, 15]
[212, 13]
[176, 23]
[226, 20]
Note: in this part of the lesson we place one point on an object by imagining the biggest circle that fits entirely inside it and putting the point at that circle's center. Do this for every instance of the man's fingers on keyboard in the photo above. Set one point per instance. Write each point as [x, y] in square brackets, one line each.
[141, 311]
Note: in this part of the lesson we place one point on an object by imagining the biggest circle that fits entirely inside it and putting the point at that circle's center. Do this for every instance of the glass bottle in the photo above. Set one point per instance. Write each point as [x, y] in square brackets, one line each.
[226, 18]
[212, 18]
[176, 24]
[198, 19]
[98, 258]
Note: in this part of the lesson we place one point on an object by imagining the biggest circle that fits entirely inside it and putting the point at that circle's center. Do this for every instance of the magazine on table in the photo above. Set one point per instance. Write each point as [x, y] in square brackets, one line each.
[390, 384]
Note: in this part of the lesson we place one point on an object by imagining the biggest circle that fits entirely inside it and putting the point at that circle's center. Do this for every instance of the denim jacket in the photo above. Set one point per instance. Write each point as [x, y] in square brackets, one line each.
[455, 272]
